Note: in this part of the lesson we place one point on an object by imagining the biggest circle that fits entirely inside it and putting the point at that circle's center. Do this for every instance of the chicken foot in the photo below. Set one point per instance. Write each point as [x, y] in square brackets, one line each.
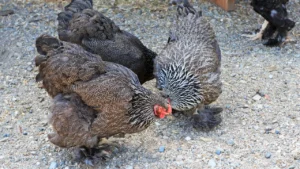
[90, 156]
[204, 118]
[259, 35]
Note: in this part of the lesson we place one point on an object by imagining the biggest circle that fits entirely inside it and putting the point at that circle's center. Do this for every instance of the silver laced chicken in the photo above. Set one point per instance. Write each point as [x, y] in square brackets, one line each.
[187, 71]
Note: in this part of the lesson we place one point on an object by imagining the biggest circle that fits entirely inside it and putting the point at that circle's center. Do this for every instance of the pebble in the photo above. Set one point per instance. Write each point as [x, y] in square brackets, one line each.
[4, 139]
[296, 154]
[230, 142]
[261, 93]
[277, 132]
[268, 155]
[6, 135]
[212, 163]
[25, 133]
[205, 139]
[188, 138]
[218, 152]
[161, 149]
[129, 167]
[6, 12]
[257, 97]
[53, 165]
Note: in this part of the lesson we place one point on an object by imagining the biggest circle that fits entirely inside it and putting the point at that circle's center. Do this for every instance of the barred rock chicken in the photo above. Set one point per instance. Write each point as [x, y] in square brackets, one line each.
[82, 25]
[276, 20]
[93, 99]
[188, 69]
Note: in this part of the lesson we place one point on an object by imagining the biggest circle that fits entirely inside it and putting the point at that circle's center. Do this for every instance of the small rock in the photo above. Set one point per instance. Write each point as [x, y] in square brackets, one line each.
[33, 152]
[188, 138]
[218, 152]
[212, 163]
[161, 149]
[296, 154]
[25, 133]
[261, 93]
[268, 155]
[205, 139]
[230, 142]
[7, 127]
[256, 97]
[19, 44]
[6, 12]
[277, 132]
[6, 135]
[271, 76]
[4, 139]
[53, 165]
[129, 167]
[268, 129]
[259, 106]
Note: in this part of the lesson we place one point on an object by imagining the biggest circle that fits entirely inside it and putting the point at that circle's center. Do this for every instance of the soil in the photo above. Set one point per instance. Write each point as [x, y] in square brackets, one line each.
[261, 94]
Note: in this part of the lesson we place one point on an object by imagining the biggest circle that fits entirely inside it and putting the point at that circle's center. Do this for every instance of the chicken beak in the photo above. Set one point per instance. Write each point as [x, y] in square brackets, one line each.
[169, 111]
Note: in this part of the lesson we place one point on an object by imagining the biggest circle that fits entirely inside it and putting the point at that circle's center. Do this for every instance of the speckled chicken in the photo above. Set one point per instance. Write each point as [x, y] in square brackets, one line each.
[276, 25]
[188, 69]
[82, 25]
[93, 99]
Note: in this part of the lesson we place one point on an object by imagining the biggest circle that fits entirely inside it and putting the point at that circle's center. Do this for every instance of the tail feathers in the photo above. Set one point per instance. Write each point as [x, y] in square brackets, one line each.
[79, 5]
[74, 7]
[187, 8]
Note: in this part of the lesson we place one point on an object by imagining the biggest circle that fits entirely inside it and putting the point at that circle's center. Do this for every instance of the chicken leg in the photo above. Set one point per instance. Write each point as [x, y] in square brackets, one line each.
[91, 156]
[205, 118]
[259, 35]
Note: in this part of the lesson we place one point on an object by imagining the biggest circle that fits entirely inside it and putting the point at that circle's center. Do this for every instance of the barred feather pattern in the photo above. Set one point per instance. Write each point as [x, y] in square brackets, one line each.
[188, 69]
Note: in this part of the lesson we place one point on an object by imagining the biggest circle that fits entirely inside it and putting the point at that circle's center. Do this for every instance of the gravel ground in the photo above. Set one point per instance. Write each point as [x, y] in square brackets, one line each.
[261, 96]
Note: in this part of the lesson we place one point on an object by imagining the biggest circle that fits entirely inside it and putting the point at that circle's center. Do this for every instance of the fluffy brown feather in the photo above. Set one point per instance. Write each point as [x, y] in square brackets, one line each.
[93, 99]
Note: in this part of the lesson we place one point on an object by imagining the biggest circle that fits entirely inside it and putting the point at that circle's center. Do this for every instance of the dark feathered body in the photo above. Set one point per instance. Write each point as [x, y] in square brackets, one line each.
[92, 98]
[188, 69]
[82, 25]
[275, 12]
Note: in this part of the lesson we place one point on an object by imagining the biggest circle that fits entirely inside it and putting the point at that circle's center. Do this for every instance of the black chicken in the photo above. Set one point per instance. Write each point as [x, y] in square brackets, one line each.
[82, 25]
[276, 20]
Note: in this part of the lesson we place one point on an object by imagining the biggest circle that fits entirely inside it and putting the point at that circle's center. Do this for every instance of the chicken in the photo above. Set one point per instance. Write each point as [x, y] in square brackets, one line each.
[276, 20]
[93, 99]
[187, 71]
[82, 25]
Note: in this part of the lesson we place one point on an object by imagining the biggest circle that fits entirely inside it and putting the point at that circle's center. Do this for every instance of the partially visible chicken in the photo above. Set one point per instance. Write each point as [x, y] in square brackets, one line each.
[82, 25]
[93, 99]
[188, 69]
[276, 20]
